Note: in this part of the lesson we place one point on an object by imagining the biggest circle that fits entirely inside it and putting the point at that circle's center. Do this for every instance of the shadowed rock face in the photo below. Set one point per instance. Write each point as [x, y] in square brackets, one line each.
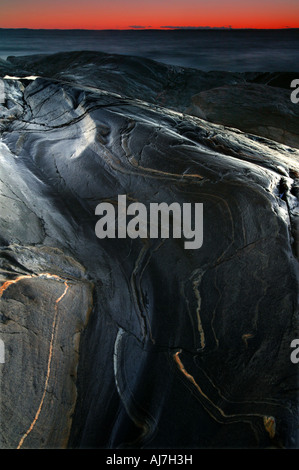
[140, 342]
[136, 77]
[254, 108]
[133, 77]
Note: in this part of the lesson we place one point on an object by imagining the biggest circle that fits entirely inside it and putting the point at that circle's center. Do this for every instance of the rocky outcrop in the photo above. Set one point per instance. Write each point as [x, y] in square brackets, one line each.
[122, 342]
[254, 108]
[45, 303]
[132, 77]
[138, 78]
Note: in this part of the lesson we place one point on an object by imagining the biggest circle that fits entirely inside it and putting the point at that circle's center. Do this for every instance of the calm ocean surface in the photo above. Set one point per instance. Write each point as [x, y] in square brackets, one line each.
[231, 50]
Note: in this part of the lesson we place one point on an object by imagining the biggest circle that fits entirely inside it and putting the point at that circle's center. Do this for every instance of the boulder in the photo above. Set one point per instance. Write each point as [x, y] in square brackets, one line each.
[253, 108]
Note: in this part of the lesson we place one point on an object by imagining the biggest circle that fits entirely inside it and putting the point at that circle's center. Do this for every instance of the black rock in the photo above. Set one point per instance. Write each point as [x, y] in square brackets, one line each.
[121, 343]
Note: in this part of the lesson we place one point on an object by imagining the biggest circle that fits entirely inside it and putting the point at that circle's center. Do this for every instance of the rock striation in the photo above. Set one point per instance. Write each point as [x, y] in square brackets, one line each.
[124, 343]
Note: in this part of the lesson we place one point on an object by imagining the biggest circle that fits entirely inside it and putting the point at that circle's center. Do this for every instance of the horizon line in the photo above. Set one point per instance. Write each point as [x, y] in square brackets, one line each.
[165, 28]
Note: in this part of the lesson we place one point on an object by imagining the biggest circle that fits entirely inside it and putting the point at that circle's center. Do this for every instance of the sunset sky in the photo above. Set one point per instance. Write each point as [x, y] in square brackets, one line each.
[125, 14]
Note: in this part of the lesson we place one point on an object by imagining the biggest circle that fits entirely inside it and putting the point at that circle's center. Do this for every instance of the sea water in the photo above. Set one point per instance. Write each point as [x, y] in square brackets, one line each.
[227, 50]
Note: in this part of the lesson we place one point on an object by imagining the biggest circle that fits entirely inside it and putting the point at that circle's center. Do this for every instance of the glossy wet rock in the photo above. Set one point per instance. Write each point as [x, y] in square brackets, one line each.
[182, 348]
[137, 77]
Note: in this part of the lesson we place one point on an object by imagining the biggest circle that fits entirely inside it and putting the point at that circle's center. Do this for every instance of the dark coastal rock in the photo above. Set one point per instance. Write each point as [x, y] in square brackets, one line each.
[134, 77]
[45, 304]
[275, 79]
[253, 102]
[253, 108]
[182, 348]
[7, 68]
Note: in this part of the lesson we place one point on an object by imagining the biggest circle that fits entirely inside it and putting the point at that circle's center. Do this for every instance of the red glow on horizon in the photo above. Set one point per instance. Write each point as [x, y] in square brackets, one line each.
[145, 14]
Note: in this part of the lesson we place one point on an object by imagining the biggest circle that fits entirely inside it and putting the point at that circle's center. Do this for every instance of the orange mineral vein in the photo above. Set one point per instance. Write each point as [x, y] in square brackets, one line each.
[6, 284]
[268, 421]
[2, 289]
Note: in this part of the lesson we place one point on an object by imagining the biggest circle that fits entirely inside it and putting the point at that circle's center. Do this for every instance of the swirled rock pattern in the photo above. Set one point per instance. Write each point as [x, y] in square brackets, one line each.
[120, 343]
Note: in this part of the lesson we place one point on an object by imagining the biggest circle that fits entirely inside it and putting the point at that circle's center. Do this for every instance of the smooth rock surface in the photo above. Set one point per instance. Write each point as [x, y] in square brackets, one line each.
[133, 77]
[45, 304]
[138, 78]
[182, 348]
[253, 108]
